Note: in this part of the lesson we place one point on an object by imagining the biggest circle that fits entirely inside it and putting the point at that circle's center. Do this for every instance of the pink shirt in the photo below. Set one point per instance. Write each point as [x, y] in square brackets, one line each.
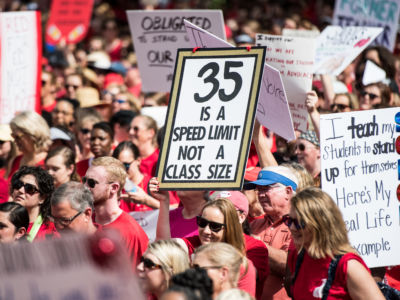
[181, 227]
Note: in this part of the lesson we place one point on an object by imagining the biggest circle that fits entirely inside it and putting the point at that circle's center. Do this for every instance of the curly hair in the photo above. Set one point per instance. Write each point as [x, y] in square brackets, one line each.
[44, 181]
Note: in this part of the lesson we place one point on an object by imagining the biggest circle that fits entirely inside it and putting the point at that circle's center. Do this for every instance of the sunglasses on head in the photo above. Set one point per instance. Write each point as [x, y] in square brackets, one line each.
[288, 220]
[30, 189]
[149, 264]
[90, 182]
[370, 95]
[214, 226]
[84, 130]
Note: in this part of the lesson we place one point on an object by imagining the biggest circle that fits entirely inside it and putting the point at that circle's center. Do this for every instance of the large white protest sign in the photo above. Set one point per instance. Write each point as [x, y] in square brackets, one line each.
[337, 47]
[384, 14]
[158, 34]
[360, 154]
[300, 33]
[272, 109]
[74, 267]
[148, 221]
[294, 58]
[373, 74]
[210, 118]
[20, 63]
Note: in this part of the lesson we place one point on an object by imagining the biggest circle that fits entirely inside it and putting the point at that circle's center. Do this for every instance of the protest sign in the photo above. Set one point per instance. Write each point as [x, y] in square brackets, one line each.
[273, 108]
[74, 267]
[210, 118]
[158, 34]
[360, 155]
[148, 221]
[384, 14]
[294, 58]
[20, 63]
[337, 47]
[158, 113]
[69, 21]
[373, 73]
[300, 33]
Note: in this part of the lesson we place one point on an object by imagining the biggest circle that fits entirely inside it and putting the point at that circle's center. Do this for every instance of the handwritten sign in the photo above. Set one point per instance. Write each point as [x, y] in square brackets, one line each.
[273, 108]
[210, 118]
[384, 14]
[337, 47]
[68, 268]
[158, 34]
[148, 221]
[360, 155]
[294, 58]
[69, 21]
[373, 73]
[300, 33]
[20, 63]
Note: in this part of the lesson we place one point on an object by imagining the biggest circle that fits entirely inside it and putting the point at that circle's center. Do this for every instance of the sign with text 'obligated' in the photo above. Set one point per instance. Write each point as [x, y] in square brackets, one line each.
[158, 34]
[210, 118]
[360, 154]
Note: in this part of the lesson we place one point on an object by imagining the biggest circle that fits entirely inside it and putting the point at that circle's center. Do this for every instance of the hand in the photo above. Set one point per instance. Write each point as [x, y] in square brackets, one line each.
[138, 197]
[162, 196]
[311, 101]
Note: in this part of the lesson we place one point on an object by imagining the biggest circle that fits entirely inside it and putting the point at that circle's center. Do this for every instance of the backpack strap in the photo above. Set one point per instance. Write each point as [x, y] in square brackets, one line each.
[299, 261]
[331, 276]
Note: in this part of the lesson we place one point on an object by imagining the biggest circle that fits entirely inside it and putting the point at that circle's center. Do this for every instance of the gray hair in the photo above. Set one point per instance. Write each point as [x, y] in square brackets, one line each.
[77, 194]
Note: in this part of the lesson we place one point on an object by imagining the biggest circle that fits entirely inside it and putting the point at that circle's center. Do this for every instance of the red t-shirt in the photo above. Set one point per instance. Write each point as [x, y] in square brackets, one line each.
[82, 166]
[132, 235]
[313, 273]
[16, 164]
[46, 231]
[148, 164]
[247, 280]
[393, 277]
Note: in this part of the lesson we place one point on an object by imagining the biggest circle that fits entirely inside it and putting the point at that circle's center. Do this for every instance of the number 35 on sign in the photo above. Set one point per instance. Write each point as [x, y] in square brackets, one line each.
[210, 118]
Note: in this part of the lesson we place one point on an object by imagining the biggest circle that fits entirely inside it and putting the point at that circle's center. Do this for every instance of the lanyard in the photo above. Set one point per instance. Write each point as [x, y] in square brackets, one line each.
[35, 228]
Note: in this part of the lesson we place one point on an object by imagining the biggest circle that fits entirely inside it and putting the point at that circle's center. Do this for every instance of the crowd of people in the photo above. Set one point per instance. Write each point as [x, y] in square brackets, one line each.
[89, 157]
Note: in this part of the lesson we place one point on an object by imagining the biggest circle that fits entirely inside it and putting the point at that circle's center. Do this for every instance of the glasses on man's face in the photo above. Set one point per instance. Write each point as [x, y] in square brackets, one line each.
[90, 182]
[214, 226]
[288, 220]
[64, 221]
[149, 264]
[370, 95]
[84, 131]
[30, 189]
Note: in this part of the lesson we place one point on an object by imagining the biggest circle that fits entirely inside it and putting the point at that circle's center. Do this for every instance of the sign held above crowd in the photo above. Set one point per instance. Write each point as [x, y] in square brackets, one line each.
[210, 118]
[158, 34]
[360, 155]
[272, 109]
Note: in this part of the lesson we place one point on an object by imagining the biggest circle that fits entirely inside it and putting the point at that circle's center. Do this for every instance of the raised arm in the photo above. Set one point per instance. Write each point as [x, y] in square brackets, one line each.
[311, 103]
[263, 146]
[163, 229]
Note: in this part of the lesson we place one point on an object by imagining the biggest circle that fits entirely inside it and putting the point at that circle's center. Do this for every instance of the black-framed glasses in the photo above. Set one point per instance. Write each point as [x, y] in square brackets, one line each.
[30, 189]
[339, 106]
[64, 221]
[288, 220]
[90, 182]
[149, 264]
[84, 131]
[214, 226]
[370, 95]
[196, 266]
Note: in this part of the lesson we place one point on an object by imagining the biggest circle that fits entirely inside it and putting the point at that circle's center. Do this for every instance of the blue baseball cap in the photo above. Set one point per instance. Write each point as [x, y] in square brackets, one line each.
[272, 175]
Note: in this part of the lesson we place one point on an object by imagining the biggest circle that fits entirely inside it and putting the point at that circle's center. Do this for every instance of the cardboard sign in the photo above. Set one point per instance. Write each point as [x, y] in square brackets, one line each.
[300, 33]
[69, 268]
[337, 47]
[210, 118]
[373, 73]
[273, 108]
[20, 63]
[69, 21]
[148, 221]
[384, 14]
[294, 58]
[360, 156]
[158, 113]
[158, 34]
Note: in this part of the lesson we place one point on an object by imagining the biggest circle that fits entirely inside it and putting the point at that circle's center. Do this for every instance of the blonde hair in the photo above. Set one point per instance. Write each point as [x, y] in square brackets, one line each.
[224, 255]
[233, 233]
[31, 123]
[150, 123]
[324, 221]
[304, 178]
[114, 168]
[234, 294]
[173, 258]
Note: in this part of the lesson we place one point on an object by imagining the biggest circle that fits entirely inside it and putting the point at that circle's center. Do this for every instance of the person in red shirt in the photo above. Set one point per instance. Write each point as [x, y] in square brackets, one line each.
[143, 133]
[105, 178]
[319, 234]
[32, 188]
[72, 209]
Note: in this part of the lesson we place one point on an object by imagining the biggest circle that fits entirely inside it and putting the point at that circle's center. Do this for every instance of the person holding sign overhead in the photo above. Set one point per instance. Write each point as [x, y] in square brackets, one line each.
[324, 263]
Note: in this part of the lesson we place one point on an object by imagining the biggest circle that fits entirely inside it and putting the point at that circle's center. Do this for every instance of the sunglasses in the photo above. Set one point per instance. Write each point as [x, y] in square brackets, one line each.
[149, 264]
[84, 130]
[90, 182]
[288, 220]
[30, 189]
[214, 226]
[370, 95]
[339, 106]
[71, 85]
[127, 165]
[119, 101]
[301, 147]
